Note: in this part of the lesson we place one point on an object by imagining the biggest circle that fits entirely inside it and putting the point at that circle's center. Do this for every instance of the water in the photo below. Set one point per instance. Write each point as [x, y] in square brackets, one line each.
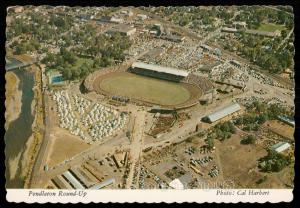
[19, 130]
[57, 79]
[12, 64]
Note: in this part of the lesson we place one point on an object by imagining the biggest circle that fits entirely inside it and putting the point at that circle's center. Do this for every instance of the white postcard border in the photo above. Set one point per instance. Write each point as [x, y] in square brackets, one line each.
[149, 196]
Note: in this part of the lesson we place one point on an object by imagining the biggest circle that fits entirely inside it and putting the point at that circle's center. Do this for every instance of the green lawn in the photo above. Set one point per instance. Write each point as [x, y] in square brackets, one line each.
[147, 89]
[270, 27]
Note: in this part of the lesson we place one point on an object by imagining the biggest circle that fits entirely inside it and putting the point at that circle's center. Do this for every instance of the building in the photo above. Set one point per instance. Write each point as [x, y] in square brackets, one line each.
[240, 25]
[234, 83]
[173, 38]
[122, 29]
[176, 184]
[229, 29]
[181, 182]
[127, 13]
[142, 16]
[280, 147]
[111, 19]
[72, 180]
[286, 120]
[103, 184]
[217, 115]
[157, 71]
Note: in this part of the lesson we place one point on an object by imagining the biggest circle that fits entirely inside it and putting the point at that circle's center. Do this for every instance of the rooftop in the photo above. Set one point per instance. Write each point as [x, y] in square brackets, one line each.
[280, 147]
[224, 112]
[158, 68]
[122, 28]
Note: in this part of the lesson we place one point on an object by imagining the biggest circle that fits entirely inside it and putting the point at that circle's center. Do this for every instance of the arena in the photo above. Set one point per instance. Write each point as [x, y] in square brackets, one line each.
[154, 89]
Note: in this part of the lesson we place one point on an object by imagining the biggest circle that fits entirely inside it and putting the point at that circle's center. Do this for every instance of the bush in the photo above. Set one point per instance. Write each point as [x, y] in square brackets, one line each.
[249, 139]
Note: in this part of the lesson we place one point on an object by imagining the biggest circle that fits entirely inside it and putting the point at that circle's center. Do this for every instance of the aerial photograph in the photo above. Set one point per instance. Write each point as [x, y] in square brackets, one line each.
[149, 97]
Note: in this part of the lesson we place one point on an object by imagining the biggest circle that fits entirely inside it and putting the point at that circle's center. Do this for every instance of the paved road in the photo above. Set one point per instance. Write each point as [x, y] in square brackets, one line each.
[136, 145]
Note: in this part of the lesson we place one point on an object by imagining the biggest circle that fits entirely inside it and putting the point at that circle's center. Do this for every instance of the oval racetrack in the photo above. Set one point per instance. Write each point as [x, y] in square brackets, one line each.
[144, 88]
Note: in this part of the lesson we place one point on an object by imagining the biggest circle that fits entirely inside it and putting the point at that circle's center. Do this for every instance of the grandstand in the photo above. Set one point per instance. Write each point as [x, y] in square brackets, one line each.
[157, 71]
[203, 83]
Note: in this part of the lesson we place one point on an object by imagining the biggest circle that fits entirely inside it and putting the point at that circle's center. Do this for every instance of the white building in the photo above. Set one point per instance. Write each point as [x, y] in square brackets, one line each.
[228, 110]
[280, 147]
[122, 29]
[142, 16]
[176, 184]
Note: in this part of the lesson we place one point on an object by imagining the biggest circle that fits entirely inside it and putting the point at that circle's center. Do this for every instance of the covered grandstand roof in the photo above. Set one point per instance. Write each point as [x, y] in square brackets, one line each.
[223, 112]
[158, 68]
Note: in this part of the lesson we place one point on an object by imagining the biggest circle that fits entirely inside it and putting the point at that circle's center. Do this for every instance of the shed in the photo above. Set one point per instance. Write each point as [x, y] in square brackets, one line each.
[223, 112]
[280, 147]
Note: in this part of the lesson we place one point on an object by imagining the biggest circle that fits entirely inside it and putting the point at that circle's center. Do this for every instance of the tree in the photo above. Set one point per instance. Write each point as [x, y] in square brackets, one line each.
[249, 139]
[262, 118]
[20, 49]
[273, 162]
[84, 70]
[283, 33]
[210, 143]
[67, 73]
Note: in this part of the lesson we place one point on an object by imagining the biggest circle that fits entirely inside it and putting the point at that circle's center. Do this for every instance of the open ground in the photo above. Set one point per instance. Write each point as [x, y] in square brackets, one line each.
[239, 164]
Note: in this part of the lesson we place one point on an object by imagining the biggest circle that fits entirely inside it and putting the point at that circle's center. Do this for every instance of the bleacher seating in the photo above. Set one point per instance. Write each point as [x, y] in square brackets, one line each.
[202, 82]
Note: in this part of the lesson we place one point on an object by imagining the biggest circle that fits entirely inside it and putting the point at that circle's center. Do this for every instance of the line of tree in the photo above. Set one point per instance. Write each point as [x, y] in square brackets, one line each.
[258, 113]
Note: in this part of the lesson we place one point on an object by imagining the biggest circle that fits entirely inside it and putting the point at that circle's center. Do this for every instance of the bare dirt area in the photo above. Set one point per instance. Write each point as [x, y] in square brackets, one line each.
[13, 97]
[239, 162]
[63, 146]
[13, 166]
[280, 128]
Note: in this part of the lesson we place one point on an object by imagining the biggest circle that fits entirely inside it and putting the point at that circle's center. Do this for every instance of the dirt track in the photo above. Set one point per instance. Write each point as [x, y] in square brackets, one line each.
[195, 92]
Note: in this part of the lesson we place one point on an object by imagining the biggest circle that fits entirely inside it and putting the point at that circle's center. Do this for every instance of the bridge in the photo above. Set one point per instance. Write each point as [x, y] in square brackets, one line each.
[16, 63]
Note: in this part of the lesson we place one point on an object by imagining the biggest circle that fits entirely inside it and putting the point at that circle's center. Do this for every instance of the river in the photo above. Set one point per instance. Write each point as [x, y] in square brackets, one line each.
[19, 131]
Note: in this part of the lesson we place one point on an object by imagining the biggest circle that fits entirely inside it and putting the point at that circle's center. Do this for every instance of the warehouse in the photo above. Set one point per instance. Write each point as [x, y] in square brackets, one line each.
[173, 38]
[111, 19]
[160, 72]
[72, 180]
[280, 147]
[103, 184]
[217, 115]
[286, 120]
[122, 29]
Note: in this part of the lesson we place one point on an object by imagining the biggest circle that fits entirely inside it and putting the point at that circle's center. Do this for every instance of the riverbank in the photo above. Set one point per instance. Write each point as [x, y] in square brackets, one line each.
[24, 135]
[34, 143]
[13, 98]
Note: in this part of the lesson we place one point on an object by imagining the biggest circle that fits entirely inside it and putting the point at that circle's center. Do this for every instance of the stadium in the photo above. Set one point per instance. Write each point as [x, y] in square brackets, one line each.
[149, 84]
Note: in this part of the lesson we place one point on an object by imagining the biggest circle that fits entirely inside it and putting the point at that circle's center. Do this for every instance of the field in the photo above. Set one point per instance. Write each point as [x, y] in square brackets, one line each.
[243, 170]
[150, 90]
[280, 128]
[270, 27]
[63, 146]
